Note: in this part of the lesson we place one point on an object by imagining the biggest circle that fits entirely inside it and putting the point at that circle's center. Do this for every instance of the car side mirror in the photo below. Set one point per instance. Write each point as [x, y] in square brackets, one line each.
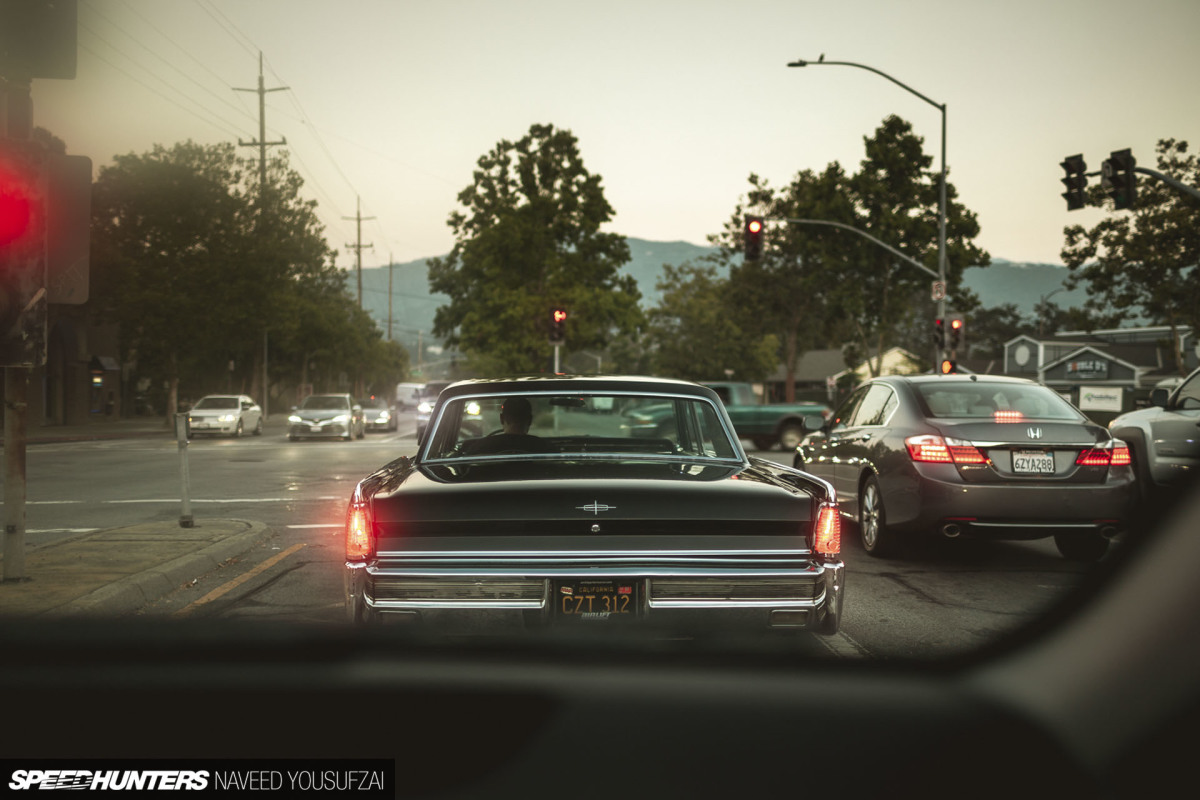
[813, 423]
[1159, 397]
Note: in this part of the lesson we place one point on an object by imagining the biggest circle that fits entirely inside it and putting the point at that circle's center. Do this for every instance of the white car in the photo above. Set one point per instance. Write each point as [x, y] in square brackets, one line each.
[225, 415]
[1164, 439]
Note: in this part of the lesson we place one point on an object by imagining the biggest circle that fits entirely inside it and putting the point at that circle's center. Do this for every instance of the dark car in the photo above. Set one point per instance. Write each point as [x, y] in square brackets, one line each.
[378, 414]
[993, 457]
[1164, 439]
[577, 521]
[326, 416]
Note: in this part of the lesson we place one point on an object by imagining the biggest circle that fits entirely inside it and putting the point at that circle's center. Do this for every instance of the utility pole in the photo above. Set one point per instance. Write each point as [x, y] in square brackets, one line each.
[262, 142]
[391, 272]
[262, 145]
[358, 246]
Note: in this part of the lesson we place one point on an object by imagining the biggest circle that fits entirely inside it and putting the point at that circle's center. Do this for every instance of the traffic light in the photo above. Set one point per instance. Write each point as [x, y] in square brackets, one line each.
[558, 325]
[939, 334]
[1076, 181]
[22, 254]
[1119, 178]
[957, 338]
[949, 366]
[754, 237]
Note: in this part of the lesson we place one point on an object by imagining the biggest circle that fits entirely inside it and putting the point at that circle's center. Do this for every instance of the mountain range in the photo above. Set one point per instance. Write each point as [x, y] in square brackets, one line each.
[413, 306]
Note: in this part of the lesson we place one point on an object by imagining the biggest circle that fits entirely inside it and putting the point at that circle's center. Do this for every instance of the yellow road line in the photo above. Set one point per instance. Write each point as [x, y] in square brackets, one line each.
[238, 581]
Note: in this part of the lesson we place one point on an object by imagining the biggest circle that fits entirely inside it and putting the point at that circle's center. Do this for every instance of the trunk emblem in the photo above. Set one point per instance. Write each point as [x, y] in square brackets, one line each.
[1034, 433]
[596, 508]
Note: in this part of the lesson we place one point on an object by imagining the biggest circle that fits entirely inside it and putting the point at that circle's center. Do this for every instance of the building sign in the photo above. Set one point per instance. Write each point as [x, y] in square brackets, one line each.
[1087, 369]
[1100, 398]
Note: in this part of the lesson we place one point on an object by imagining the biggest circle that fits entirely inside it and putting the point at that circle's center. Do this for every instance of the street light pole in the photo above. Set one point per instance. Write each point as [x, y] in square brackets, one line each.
[942, 190]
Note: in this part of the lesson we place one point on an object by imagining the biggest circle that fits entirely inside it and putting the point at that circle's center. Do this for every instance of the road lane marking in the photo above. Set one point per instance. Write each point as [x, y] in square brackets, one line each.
[224, 589]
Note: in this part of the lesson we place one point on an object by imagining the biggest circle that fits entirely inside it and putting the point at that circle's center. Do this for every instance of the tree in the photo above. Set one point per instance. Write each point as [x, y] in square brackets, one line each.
[168, 239]
[896, 199]
[528, 240]
[785, 292]
[696, 338]
[1146, 259]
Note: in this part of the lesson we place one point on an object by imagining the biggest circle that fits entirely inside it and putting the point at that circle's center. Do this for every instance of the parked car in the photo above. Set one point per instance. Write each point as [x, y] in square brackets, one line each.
[225, 415]
[967, 455]
[327, 416]
[766, 424]
[428, 397]
[378, 414]
[576, 523]
[1164, 439]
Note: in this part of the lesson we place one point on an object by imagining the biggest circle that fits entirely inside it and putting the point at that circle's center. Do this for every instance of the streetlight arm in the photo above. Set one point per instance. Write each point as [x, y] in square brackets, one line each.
[906, 87]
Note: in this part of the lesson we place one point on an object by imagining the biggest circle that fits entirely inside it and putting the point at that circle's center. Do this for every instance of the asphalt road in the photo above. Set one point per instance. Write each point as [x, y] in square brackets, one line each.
[945, 599]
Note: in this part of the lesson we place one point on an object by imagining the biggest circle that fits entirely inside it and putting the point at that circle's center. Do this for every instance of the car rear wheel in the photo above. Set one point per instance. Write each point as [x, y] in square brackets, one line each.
[1081, 546]
[877, 540]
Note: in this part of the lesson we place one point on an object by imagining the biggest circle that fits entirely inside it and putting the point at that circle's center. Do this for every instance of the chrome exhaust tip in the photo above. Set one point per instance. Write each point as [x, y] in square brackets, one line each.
[950, 530]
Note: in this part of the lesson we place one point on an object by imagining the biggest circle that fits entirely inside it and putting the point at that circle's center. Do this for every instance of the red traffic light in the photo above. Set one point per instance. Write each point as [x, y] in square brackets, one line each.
[956, 323]
[949, 367]
[16, 209]
[559, 315]
[754, 226]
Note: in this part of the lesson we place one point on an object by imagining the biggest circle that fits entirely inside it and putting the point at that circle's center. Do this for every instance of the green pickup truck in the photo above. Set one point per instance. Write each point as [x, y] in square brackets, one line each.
[769, 424]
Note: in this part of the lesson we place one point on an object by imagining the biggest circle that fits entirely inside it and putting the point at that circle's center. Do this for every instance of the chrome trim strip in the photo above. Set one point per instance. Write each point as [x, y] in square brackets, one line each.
[547, 556]
[586, 572]
[451, 604]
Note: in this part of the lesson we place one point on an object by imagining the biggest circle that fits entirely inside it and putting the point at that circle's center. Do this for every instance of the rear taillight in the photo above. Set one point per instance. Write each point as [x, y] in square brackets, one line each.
[1112, 454]
[827, 531]
[360, 544]
[936, 450]
[1008, 416]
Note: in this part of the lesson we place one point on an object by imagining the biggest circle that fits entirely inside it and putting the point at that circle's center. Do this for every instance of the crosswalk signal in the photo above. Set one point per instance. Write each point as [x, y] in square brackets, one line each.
[1119, 178]
[1076, 181]
[753, 237]
[558, 325]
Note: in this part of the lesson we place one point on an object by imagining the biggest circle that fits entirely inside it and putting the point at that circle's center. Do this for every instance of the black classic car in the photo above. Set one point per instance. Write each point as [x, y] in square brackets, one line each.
[562, 512]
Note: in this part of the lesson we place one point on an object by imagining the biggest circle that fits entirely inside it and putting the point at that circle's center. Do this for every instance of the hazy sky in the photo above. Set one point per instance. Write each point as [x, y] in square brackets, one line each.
[674, 103]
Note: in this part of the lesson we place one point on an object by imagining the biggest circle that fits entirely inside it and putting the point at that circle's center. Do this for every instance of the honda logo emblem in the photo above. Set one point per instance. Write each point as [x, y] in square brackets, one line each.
[1034, 433]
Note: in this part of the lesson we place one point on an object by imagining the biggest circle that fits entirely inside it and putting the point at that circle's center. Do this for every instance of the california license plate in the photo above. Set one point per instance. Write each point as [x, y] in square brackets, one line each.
[1033, 462]
[316, 428]
[596, 600]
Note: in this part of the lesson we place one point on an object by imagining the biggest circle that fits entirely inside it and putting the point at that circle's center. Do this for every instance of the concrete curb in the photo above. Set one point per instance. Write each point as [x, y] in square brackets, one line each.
[131, 593]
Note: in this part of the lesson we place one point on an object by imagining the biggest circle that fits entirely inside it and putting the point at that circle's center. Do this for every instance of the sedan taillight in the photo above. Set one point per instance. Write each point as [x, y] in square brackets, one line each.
[1110, 454]
[360, 544]
[936, 450]
[827, 531]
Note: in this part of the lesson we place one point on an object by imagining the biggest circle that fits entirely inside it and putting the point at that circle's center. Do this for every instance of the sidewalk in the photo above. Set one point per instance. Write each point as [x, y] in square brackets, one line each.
[115, 572]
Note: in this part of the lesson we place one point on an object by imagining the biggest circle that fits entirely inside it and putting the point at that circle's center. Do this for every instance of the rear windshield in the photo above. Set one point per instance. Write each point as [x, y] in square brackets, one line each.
[987, 400]
[587, 425]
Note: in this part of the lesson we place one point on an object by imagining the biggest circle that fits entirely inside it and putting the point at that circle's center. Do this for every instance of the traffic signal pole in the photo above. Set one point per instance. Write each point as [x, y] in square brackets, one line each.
[17, 122]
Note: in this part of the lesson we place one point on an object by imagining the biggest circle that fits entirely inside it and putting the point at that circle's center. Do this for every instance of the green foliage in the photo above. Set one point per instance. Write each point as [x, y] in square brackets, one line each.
[1146, 259]
[199, 265]
[527, 240]
[695, 335]
[822, 286]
